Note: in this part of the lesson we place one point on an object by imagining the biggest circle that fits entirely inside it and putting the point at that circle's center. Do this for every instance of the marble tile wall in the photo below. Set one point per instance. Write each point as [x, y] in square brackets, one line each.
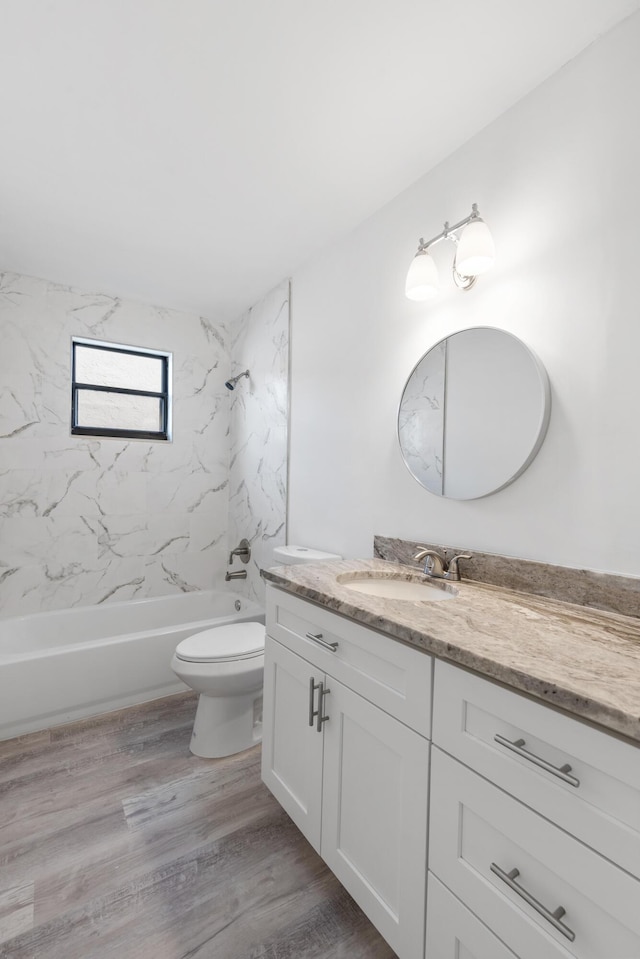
[85, 520]
[258, 431]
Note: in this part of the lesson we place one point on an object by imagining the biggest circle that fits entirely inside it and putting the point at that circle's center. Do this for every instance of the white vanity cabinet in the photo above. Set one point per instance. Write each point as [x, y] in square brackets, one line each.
[534, 822]
[292, 751]
[346, 753]
[534, 816]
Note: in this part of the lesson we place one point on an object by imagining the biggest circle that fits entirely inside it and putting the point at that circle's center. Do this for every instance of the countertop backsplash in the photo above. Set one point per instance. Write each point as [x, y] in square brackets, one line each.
[603, 591]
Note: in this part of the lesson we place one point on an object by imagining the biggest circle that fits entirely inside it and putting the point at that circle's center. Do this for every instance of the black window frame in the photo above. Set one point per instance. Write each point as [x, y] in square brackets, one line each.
[164, 395]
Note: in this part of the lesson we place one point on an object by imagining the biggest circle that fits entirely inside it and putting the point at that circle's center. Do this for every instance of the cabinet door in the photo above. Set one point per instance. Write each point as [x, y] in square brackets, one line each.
[455, 933]
[292, 749]
[374, 816]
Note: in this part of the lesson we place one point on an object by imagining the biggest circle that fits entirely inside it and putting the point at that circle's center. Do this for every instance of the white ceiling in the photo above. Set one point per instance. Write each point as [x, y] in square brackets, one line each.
[193, 153]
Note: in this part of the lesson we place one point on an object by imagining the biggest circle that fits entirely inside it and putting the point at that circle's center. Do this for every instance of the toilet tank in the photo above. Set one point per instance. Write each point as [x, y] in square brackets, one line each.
[292, 555]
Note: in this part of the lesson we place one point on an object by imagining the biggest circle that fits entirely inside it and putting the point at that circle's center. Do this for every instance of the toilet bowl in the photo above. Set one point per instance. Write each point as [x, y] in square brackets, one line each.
[225, 665]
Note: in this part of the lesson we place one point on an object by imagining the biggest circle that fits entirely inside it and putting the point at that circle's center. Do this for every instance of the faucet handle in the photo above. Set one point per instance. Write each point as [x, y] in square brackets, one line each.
[453, 570]
[243, 551]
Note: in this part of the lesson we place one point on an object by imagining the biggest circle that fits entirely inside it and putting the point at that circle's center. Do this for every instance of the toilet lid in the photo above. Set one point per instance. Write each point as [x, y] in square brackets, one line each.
[223, 643]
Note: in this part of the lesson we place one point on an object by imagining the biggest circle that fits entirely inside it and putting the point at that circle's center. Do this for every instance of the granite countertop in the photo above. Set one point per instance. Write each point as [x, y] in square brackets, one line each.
[581, 660]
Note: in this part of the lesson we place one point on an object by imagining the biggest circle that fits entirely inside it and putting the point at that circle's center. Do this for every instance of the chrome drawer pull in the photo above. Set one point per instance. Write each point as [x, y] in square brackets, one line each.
[317, 638]
[552, 917]
[312, 688]
[562, 772]
[321, 719]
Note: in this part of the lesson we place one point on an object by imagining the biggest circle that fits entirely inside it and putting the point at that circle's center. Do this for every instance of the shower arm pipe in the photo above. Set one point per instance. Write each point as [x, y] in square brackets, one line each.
[449, 232]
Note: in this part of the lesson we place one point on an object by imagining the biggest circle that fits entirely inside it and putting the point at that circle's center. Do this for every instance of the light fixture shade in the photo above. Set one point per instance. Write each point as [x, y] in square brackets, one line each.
[422, 278]
[476, 251]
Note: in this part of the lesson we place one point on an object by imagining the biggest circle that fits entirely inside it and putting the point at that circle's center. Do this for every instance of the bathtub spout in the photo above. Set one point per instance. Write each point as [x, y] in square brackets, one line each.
[238, 574]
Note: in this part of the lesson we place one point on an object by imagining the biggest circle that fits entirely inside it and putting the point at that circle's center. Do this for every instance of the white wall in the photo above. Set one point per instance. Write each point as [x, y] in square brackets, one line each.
[557, 178]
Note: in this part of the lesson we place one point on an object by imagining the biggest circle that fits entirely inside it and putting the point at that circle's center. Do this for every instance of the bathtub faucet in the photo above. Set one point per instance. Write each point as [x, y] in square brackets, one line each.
[238, 574]
[243, 551]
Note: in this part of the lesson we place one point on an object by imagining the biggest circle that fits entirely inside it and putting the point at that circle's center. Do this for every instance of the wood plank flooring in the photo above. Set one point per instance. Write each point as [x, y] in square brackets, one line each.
[116, 842]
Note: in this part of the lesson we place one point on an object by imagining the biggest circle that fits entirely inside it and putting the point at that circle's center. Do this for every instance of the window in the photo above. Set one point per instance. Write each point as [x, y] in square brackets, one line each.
[120, 391]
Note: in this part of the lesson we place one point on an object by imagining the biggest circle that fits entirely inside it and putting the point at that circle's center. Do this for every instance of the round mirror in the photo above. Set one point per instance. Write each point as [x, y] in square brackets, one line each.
[474, 413]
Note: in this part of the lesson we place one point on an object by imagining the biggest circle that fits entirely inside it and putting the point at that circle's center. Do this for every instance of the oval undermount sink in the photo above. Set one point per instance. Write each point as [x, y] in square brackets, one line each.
[401, 587]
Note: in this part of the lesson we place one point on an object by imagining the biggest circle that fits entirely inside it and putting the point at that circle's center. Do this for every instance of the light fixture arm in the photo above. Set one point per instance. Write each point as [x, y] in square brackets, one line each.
[449, 232]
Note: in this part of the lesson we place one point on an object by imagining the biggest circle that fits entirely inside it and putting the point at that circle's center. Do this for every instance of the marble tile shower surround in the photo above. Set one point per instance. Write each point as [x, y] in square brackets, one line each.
[85, 520]
[605, 591]
[259, 341]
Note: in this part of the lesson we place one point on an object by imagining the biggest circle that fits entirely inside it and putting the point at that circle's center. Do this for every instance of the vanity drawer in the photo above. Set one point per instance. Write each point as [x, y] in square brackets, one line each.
[474, 825]
[455, 933]
[522, 746]
[395, 677]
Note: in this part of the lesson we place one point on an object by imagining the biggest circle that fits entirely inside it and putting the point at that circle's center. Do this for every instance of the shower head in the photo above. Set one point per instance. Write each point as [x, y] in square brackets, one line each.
[231, 383]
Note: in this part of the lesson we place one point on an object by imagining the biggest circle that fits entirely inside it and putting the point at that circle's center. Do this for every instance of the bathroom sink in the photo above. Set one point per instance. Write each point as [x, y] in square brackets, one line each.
[402, 586]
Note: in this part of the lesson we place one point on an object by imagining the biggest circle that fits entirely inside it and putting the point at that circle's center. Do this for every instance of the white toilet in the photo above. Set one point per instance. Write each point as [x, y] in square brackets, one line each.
[225, 664]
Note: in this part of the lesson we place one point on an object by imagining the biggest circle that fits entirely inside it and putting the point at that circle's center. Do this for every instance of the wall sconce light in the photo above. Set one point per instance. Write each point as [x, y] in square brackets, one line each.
[475, 253]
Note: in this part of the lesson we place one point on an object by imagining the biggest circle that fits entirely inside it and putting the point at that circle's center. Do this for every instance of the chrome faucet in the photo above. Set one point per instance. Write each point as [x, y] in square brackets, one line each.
[438, 566]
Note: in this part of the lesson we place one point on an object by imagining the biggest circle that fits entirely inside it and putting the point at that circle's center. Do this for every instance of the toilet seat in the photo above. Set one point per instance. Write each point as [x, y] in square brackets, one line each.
[223, 644]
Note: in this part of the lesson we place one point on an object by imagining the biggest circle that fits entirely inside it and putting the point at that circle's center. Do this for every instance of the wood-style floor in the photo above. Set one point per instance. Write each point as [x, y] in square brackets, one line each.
[116, 842]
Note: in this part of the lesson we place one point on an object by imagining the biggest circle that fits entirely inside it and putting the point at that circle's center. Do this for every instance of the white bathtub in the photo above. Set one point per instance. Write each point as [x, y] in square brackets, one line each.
[71, 663]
